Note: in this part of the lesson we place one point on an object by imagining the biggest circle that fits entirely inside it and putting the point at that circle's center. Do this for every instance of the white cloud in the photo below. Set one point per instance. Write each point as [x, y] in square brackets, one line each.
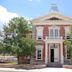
[5, 15]
[34, 0]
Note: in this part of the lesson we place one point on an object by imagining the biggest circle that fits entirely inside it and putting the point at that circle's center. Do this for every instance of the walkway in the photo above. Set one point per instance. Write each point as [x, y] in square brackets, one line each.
[36, 70]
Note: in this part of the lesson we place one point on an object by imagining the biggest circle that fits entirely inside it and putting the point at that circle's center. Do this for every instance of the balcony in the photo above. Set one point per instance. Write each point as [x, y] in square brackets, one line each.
[53, 39]
[59, 37]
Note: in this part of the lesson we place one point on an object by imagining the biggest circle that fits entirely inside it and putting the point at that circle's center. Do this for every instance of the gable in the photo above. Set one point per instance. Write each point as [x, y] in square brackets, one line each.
[55, 18]
[51, 17]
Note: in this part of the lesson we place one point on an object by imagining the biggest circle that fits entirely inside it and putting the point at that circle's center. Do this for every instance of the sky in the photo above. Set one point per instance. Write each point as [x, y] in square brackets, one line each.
[31, 9]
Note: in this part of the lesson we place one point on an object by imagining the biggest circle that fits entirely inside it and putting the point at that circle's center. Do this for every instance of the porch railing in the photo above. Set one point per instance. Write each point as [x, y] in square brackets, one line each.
[49, 37]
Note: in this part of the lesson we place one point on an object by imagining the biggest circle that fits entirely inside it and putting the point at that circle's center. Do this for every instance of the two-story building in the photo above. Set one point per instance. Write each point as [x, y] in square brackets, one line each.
[50, 31]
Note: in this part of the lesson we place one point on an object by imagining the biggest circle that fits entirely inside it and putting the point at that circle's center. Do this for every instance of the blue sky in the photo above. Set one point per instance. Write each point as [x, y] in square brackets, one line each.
[32, 8]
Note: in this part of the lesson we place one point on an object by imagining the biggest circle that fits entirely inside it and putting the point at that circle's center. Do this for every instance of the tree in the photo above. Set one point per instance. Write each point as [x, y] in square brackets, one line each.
[15, 41]
[68, 43]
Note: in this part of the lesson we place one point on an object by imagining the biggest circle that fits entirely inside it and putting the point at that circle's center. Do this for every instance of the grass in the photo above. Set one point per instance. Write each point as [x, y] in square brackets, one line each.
[10, 63]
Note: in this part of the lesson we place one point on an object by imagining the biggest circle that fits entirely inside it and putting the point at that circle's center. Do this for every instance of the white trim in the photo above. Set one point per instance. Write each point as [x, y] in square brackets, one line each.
[62, 57]
[40, 30]
[49, 15]
[39, 47]
[53, 23]
[46, 52]
[53, 28]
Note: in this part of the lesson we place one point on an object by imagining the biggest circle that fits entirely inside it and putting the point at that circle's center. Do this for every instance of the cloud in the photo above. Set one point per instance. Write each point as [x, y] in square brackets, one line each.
[5, 15]
[34, 0]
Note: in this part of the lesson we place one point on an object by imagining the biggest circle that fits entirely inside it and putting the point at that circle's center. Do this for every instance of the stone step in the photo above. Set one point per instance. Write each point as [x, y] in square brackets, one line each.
[54, 65]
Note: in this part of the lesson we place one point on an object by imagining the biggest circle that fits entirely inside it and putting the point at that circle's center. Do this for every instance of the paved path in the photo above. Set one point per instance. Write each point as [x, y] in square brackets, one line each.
[36, 70]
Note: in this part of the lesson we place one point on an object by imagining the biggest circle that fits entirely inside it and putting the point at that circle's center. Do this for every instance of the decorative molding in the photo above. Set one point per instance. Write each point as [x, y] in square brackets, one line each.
[50, 15]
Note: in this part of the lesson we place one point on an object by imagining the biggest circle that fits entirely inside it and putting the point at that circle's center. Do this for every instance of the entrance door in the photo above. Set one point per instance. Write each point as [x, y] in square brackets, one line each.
[56, 54]
[52, 55]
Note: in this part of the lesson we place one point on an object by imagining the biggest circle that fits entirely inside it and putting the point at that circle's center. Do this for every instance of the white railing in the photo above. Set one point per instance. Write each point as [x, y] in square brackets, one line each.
[49, 37]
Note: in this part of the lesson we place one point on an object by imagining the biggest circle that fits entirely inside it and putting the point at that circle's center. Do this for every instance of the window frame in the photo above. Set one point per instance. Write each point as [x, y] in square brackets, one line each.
[39, 33]
[54, 29]
[39, 47]
[66, 29]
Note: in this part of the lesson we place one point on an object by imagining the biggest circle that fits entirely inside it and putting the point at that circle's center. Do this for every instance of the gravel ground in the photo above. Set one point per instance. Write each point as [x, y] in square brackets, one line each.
[36, 70]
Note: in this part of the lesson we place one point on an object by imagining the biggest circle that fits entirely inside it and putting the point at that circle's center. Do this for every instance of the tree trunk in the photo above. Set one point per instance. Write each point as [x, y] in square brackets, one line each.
[18, 61]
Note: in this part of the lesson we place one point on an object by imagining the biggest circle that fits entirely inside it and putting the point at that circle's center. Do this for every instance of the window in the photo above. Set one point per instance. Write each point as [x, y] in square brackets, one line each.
[67, 32]
[51, 33]
[39, 37]
[39, 33]
[54, 32]
[39, 50]
[38, 54]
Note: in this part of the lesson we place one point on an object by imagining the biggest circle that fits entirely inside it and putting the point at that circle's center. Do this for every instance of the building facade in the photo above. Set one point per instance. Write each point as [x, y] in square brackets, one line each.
[49, 32]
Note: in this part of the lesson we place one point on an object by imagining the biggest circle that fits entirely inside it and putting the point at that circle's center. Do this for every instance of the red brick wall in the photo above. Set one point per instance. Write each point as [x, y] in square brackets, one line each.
[62, 32]
[45, 31]
[44, 52]
[24, 60]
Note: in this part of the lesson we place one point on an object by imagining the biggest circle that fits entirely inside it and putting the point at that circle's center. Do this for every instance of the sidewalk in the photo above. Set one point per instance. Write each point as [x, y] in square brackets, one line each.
[30, 68]
[36, 70]
[12, 70]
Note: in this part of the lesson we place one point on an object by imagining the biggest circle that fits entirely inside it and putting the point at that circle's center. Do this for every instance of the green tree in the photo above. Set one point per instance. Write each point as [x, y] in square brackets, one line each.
[15, 41]
[68, 43]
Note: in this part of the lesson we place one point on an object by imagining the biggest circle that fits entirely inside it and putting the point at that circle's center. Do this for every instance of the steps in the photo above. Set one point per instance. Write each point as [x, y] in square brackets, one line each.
[58, 65]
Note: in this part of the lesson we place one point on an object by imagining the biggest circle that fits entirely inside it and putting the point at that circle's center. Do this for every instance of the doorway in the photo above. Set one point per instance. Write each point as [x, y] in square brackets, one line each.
[52, 55]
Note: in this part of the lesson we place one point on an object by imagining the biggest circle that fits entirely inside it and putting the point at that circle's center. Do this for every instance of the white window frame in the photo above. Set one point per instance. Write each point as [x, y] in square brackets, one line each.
[67, 28]
[39, 32]
[39, 47]
[54, 28]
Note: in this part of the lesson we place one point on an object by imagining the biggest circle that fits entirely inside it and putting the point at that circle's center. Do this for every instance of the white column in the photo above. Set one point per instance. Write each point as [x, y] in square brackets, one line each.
[62, 58]
[46, 52]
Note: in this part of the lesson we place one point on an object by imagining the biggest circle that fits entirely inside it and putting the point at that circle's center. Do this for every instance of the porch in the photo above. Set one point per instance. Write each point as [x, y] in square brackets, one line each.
[54, 50]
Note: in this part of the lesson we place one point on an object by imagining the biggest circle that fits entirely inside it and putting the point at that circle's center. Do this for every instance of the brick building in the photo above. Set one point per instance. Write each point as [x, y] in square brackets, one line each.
[50, 31]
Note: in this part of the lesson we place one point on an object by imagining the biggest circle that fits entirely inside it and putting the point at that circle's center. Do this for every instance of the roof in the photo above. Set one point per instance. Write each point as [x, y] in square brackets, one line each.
[51, 17]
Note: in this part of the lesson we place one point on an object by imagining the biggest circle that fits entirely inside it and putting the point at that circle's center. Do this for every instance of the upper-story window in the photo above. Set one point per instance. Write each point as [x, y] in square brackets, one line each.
[39, 33]
[67, 31]
[54, 32]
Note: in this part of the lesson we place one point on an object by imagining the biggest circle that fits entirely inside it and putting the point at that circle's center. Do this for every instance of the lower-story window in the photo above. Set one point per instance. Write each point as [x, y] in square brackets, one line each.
[38, 54]
[39, 51]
